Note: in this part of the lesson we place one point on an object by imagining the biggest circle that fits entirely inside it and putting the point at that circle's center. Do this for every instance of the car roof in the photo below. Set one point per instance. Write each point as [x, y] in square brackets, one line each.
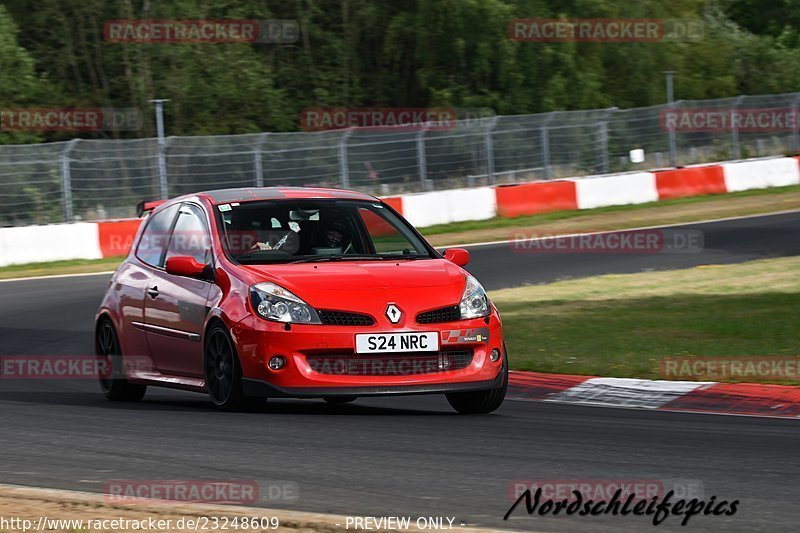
[246, 194]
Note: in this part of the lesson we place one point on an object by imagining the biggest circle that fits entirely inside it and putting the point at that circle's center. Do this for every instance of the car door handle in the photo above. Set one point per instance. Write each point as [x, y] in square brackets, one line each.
[152, 292]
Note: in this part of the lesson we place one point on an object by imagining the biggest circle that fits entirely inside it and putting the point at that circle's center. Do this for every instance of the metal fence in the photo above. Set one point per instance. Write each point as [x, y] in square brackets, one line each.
[95, 179]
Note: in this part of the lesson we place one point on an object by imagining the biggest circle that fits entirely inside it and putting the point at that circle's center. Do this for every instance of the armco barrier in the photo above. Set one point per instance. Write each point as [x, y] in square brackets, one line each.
[116, 236]
[57, 242]
[760, 174]
[94, 240]
[455, 205]
[622, 189]
[532, 198]
[692, 181]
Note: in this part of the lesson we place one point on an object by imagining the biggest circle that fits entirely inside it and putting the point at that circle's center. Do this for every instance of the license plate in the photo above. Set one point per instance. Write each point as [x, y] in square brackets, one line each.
[397, 342]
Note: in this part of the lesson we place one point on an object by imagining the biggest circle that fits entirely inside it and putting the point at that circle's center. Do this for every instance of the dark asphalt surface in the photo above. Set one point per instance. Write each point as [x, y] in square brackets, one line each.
[397, 456]
[732, 241]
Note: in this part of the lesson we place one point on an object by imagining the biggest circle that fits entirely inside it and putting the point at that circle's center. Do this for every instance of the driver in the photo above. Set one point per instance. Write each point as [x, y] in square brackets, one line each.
[333, 238]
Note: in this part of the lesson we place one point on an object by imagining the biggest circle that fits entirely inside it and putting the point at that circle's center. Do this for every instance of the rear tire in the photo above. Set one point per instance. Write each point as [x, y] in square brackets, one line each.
[481, 402]
[107, 346]
[340, 400]
[223, 372]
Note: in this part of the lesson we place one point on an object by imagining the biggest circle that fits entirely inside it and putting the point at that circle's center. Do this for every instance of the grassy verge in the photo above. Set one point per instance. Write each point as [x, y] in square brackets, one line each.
[75, 266]
[62, 509]
[606, 218]
[623, 325]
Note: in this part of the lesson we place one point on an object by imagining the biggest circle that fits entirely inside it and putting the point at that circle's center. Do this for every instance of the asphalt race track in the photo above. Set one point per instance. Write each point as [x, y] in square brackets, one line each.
[732, 241]
[398, 456]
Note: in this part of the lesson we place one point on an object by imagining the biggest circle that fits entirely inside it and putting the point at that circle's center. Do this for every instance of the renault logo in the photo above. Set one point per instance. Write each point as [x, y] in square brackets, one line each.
[393, 313]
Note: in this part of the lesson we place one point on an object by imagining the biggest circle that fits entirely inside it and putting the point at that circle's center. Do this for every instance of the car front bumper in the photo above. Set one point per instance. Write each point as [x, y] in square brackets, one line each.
[258, 340]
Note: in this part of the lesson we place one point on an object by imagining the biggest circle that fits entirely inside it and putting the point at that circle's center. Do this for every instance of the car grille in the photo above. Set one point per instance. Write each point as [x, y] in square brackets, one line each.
[394, 364]
[343, 318]
[443, 314]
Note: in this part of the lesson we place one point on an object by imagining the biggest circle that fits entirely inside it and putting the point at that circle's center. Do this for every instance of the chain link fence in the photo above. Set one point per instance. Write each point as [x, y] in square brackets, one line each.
[100, 179]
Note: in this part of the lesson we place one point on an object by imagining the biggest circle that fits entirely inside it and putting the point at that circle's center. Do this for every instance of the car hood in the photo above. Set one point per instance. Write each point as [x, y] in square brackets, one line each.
[427, 282]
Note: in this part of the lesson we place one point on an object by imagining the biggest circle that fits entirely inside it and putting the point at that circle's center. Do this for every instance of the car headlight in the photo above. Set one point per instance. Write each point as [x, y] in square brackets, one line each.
[474, 302]
[273, 302]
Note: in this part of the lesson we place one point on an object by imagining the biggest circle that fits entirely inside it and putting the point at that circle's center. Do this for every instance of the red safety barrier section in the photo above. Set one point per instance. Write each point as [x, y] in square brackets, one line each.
[117, 236]
[741, 398]
[396, 202]
[692, 181]
[537, 197]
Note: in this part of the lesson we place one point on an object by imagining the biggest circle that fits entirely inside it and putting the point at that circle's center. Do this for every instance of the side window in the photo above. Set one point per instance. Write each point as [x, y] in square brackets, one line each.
[155, 236]
[190, 236]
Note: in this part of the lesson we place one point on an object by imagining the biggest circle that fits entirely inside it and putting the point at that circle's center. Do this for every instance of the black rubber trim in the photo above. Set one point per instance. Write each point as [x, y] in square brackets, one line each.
[258, 388]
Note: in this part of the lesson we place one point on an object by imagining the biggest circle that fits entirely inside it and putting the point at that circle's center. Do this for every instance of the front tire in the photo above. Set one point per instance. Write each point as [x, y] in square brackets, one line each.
[222, 370]
[481, 402]
[107, 347]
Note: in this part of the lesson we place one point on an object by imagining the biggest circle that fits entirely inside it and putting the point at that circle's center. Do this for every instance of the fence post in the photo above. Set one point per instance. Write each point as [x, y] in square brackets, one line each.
[735, 148]
[257, 160]
[489, 144]
[545, 138]
[796, 127]
[163, 185]
[66, 180]
[604, 139]
[421, 161]
[673, 142]
[344, 166]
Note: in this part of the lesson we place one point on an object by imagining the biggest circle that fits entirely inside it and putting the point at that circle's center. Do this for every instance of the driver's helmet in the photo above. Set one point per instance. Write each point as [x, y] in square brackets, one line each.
[334, 234]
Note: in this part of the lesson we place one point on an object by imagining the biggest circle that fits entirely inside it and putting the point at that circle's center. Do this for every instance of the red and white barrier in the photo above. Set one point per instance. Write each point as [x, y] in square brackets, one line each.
[622, 189]
[761, 174]
[56, 242]
[691, 181]
[108, 239]
[455, 205]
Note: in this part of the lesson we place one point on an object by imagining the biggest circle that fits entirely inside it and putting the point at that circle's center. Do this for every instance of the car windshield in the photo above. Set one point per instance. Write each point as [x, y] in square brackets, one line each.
[287, 231]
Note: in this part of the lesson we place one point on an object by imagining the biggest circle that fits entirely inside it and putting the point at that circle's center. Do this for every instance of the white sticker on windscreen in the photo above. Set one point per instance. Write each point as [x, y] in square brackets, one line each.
[224, 207]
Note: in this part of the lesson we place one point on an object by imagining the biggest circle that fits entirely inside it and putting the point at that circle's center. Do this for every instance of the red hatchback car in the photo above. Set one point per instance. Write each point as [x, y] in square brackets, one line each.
[255, 293]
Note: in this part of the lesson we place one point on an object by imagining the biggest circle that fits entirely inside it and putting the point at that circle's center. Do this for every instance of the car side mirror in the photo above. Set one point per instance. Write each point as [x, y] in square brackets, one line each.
[185, 265]
[459, 256]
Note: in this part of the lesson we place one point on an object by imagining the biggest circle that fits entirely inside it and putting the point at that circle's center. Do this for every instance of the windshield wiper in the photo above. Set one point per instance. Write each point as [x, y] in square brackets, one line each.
[409, 257]
[336, 257]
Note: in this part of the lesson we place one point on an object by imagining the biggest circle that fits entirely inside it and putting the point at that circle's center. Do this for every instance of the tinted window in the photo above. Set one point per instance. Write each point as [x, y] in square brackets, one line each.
[385, 237]
[155, 237]
[190, 236]
[292, 230]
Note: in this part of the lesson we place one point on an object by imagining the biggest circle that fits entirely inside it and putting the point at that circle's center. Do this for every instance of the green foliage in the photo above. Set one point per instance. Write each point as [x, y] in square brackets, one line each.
[404, 53]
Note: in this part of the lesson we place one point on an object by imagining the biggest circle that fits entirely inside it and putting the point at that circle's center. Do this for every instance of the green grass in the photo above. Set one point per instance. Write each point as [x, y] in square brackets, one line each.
[623, 325]
[533, 220]
[74, 266]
